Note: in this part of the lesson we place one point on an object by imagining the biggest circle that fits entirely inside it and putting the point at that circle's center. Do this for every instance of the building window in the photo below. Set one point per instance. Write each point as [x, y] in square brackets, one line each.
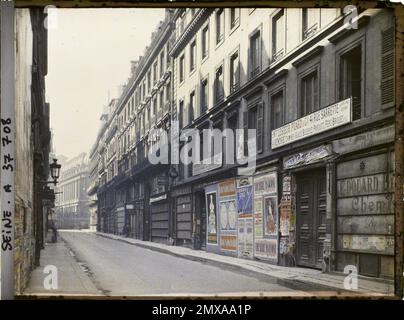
[219, 92]
[205, 42]
[253, 119]
[277, 110]
[219, 25]
[162, 60]
[191, 111]
[255, 54]
[181, 114]
[155, 73]
[234, 17]
[350, 79]
[278, 35]
[192, 56]
[168, 92]
[149, 81]
[182, 62]
[154, 106]
[309, 93]
[204, 95]
[234, 72]
[310, 20]
[161, 99]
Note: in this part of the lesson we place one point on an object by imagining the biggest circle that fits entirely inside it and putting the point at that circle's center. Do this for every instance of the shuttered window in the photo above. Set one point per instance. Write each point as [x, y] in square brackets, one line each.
[387, 67]
[260, 126]
[254, 119]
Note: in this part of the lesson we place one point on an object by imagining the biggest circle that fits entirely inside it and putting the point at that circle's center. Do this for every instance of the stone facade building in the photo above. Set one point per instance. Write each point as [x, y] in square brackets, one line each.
[33, 199]
[320, 96]
[72, 202]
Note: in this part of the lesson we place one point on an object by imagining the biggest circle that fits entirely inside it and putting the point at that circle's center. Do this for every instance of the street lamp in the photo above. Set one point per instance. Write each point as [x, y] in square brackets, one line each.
[54, 171]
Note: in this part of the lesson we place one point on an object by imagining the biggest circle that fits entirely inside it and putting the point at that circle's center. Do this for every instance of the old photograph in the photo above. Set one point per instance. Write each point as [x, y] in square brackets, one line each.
[190, 151]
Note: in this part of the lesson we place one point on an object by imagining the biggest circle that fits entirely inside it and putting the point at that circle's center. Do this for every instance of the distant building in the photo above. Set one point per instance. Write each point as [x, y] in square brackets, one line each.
[71, 209]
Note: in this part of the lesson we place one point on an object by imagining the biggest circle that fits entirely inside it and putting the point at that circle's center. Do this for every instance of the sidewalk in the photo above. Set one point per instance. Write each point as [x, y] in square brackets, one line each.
[295, 277]
[71, 277]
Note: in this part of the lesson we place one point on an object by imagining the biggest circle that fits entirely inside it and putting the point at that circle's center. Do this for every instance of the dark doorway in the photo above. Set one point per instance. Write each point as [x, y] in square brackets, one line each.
[201, 219]
[311, 217]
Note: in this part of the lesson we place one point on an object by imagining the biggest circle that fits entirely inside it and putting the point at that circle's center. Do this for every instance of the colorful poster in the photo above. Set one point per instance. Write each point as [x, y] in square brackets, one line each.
[228, 215]
[271, 216]
[244, 201]
[228, 242]
[266, 248]
[212, 218]
[227, 188]
[285, 214]
[245, 238]
[258, 223]
[265, 184]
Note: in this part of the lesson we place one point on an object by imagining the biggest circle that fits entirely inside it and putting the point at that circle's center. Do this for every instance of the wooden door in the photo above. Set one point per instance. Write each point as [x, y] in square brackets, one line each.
[311, 218]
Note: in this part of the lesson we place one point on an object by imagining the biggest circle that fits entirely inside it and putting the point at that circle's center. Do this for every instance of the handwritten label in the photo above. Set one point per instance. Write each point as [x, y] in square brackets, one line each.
[7, 188]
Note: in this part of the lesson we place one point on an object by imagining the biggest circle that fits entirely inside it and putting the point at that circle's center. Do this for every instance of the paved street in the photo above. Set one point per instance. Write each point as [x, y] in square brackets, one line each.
[118, 268]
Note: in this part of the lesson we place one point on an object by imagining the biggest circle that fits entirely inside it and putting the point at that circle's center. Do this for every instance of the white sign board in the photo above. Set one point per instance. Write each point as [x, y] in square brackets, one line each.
[322, 120]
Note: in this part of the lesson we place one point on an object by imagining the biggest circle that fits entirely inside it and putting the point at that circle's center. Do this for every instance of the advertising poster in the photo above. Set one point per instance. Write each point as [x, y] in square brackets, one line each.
[212, 218]
[245, 201]
[228, 242]
[266, 249]
[228, 215]
[258, 221]
[227, 188]
[245, 238]
[270, 216]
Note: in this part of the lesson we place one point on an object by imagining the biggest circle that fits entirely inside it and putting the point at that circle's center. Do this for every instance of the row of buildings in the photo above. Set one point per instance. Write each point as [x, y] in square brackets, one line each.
[34, 199]
[317, 88]
[71, 199]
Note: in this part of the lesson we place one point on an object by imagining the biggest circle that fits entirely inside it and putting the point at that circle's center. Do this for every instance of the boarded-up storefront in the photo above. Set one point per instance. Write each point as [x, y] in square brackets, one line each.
[159, 218]
[266, 216]
[365, 214]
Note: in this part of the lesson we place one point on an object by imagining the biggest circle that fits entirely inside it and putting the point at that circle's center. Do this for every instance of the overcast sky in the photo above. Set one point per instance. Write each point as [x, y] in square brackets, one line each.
[89, 54]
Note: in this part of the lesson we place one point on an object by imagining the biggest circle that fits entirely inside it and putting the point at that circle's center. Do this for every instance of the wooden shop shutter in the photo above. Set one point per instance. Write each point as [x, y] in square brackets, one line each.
[387, 67]
[260, 127]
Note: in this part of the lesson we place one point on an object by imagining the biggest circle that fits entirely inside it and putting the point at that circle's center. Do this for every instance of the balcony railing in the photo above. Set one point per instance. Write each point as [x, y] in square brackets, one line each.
[255, 71]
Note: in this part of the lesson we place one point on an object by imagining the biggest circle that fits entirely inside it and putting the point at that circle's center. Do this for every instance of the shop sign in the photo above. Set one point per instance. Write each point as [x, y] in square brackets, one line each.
[322, 120]
[212, 218]
[266, 249]
[198, 168]
[159, 198]
[307, 157]
[378, 244]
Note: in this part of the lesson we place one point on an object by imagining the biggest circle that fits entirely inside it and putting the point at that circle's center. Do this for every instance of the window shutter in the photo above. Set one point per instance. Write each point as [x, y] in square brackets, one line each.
[245, 129]
[260, 126]
[387, 67]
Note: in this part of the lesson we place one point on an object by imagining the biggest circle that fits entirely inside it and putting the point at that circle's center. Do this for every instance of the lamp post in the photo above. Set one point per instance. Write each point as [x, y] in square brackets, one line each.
[54, 171]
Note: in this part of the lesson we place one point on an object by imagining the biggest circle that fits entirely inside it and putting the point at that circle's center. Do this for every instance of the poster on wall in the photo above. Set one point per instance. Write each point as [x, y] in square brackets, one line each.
[227, 188]
[244, 201]
[228, 242]
[271, 216]
[212, 218]
[258, 223]
[265, 184]
[228, 215]
[245, 238]
[266, 248]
